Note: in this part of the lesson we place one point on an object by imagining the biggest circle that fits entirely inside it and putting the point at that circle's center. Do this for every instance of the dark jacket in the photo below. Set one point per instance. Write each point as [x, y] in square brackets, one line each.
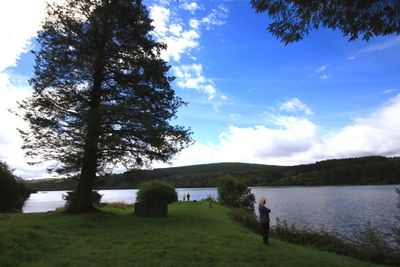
[264, 213]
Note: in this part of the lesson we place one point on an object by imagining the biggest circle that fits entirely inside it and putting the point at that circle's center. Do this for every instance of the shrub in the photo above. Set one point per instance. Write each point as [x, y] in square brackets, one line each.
[370, 245]
[210, 200]
[117, 205]
[95, 197]
[249, 219]
[318, 239]
[235, 193]
[373, 244]
[156, 192]
[13, 190]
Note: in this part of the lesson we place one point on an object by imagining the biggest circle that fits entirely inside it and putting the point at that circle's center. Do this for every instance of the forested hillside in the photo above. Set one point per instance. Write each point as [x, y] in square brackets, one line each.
[365, 170]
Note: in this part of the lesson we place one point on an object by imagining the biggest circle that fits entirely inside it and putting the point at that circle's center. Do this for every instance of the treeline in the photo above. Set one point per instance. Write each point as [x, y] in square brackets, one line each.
[364, 170]
[355, 171]
[204, 175]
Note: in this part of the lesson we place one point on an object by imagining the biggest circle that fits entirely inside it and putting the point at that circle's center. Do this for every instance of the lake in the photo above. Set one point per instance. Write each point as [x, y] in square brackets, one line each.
[338, 209]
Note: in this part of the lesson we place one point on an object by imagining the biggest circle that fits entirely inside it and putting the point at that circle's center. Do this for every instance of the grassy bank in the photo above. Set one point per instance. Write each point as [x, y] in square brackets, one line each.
[193, 235]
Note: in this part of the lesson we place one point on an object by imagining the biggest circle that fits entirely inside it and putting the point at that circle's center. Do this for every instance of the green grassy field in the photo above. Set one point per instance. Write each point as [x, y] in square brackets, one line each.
[193, 235]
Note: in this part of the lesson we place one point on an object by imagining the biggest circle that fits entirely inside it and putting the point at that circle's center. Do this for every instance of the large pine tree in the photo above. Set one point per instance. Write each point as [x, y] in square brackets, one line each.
[102, 95]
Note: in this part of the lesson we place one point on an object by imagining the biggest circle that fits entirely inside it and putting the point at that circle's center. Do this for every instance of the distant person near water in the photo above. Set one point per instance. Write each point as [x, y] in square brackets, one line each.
[184, 197]
[188, 197]
[264, 219]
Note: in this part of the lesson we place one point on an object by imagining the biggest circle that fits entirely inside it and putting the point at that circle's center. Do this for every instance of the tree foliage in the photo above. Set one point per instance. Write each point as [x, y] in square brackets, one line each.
[293, 19]
[235, 193]
[156, 192]
[13, 191]
[102, 95]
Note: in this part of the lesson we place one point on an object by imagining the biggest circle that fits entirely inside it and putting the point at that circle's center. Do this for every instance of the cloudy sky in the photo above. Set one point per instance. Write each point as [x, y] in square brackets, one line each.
[251, 98]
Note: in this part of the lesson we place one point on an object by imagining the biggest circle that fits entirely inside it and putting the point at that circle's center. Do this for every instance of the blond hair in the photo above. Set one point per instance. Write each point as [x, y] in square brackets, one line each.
[262, 201]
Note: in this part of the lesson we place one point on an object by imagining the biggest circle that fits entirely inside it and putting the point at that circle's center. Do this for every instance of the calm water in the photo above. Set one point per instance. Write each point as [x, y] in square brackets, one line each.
[339, 209]
[44, 201]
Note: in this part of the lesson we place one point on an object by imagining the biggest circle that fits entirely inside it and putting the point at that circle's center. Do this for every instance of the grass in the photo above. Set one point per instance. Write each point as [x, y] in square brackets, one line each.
[193, 235]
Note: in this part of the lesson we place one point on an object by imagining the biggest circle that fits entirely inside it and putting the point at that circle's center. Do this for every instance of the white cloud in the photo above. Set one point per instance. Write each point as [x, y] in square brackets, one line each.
[182, 38]
[377, 133]
[321, 68]
[190, 6]
[395, 41]
[217, 17]
[295, 105]
[160, 16]
[194, 23]
[191, 77]
[321, 71]
[254, 144]
[325, 76]
[19, 22]
[390, 90]
[387, 44]
[294, 140]
[172, 32]
[10, 141]
[235, 116]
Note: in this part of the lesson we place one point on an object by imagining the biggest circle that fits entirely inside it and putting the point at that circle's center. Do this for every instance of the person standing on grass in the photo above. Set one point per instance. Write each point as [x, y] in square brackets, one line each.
[188, 197]
[184, 197]
[264, 219]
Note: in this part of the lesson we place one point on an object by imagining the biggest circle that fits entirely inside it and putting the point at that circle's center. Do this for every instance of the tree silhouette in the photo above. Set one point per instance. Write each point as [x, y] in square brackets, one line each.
[13, 190]
[293, 19]
[101, 93]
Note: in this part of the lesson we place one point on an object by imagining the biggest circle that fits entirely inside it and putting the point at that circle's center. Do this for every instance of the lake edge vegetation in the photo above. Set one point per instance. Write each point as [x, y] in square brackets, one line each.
[370, 245]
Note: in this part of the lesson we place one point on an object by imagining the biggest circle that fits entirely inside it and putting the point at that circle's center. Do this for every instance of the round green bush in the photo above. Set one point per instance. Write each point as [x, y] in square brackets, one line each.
[235, 193]
[156, 192]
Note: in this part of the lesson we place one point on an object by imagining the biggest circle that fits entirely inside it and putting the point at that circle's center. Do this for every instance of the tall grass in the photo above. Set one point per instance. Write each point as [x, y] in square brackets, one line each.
[369, 246]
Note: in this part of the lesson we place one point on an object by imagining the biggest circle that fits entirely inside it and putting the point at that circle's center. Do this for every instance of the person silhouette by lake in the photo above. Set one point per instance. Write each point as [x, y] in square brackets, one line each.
[264, 219]
[188, 196]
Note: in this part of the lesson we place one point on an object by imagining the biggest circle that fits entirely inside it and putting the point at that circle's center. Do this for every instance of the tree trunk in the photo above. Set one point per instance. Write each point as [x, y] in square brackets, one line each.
[82, 201]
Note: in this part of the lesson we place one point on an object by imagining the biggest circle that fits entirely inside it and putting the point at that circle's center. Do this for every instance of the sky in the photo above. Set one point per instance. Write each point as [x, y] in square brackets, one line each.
[250, 97]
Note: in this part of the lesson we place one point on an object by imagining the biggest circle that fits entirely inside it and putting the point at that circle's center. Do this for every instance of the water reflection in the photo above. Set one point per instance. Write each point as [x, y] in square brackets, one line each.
[44, 201]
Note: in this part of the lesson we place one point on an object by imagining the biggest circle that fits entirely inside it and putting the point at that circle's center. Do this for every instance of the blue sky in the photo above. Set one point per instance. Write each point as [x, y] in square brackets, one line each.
[251, 98]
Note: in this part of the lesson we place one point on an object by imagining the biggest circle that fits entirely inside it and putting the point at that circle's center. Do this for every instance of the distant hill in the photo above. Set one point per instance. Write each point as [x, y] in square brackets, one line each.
[364, 170]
